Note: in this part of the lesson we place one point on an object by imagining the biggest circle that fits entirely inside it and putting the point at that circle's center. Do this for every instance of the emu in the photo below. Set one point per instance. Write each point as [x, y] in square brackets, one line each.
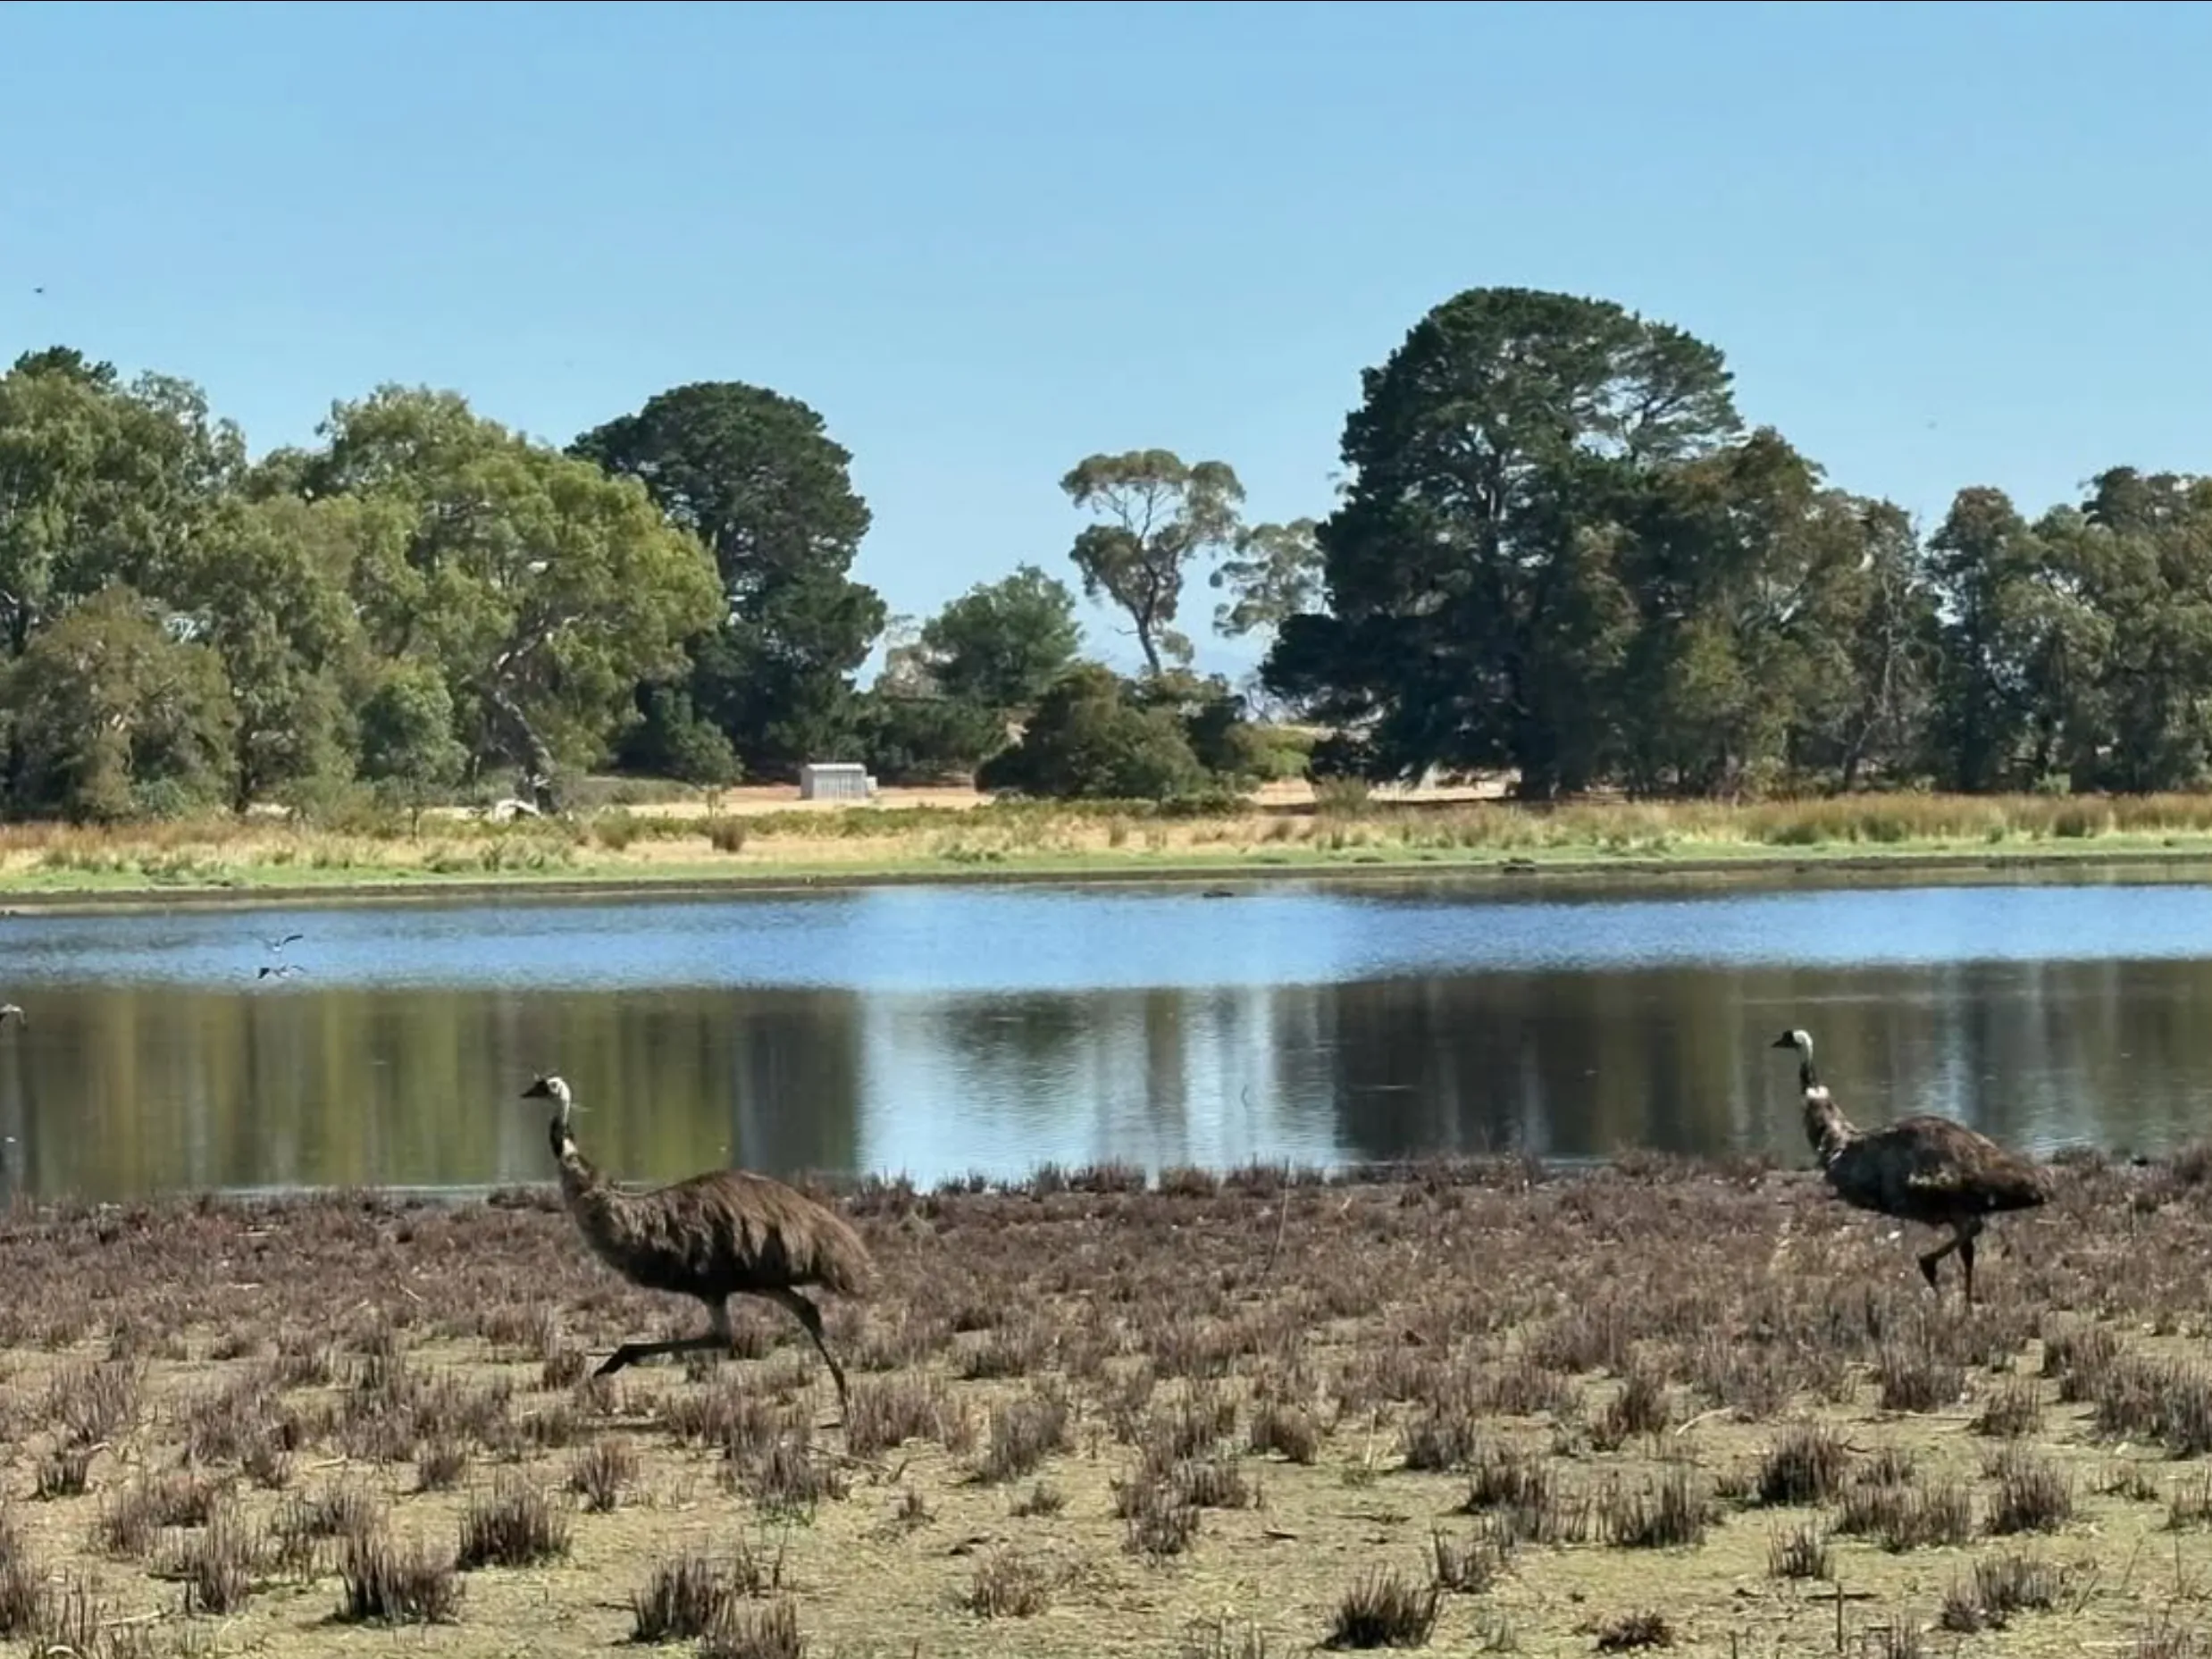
[726, 1233]
[1920, 1168]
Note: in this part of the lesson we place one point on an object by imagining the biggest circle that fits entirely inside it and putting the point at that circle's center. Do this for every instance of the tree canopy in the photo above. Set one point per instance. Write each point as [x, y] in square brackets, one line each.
[756, 477]
[1558, 552]
[1158, 514]
[1002, 643]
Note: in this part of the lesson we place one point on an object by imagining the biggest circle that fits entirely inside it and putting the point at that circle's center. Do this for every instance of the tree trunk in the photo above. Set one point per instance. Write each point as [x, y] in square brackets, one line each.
[529, 749]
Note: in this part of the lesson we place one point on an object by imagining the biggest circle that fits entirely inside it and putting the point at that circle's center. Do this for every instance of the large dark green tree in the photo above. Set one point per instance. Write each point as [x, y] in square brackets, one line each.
[2022, 648]
[1476, 613]
[2138, 553]
[756, 477]
[1774, 629]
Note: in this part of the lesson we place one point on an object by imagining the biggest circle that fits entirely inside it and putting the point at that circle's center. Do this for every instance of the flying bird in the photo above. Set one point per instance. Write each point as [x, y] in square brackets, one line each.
[279, 970]
[726, 1233]
[1919, 1168]
[278, 944]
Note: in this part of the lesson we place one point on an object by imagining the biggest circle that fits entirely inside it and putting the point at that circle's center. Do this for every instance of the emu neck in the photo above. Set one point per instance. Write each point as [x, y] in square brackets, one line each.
[590, 1200]
[1825, 1126]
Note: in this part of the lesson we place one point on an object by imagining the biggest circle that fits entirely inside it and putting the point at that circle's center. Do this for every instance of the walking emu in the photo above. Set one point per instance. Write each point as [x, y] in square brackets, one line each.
[727, 1233]
[1922, 1168]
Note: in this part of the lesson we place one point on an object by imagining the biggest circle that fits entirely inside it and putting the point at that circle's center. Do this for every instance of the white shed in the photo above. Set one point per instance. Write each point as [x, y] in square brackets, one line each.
[836, 780]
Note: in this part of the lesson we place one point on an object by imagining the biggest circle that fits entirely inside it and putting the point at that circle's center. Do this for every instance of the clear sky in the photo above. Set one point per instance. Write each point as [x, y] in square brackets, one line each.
[1941, 245]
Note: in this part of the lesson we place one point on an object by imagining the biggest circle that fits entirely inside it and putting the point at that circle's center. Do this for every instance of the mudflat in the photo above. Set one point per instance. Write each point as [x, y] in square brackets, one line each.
[1468, 1406]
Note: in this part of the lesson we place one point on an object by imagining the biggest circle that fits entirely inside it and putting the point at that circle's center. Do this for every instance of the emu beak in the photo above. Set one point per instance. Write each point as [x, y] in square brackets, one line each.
[1787, 1040]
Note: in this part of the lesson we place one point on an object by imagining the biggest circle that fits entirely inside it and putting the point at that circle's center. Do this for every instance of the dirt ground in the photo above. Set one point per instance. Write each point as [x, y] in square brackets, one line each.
[1478, 1408]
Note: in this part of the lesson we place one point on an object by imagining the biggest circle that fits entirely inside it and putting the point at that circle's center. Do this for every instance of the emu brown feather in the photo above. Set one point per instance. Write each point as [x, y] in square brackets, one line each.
[1920, 1168]
[726, 1233]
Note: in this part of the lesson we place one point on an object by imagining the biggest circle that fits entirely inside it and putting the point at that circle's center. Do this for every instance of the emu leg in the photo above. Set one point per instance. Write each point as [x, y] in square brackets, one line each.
[718, 1336]
[631, 1352]
[1928, 1262]
[810, 1316]
[1967, 1235]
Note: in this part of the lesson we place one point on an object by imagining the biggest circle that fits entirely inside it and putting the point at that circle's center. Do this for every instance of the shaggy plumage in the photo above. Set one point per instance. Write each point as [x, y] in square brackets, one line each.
[727, 1233]
[1920, 1168]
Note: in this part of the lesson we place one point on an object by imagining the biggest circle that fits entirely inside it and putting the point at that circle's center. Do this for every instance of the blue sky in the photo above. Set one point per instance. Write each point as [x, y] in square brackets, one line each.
[1940, 245]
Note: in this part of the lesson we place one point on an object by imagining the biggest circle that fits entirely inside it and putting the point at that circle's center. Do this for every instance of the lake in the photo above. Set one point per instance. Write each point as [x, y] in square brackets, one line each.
[941, 1029]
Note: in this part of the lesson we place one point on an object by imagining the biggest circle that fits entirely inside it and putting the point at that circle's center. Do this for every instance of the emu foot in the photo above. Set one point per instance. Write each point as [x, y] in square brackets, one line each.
[1928, 1273]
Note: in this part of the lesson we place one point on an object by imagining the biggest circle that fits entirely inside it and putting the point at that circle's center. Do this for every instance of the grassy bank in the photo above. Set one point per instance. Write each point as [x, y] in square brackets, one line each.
[1478, 1408]
[647, 846]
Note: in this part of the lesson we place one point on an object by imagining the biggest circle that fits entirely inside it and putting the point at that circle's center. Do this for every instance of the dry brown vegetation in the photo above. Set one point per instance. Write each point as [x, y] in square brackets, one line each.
[940, 834]
[1474, 1407]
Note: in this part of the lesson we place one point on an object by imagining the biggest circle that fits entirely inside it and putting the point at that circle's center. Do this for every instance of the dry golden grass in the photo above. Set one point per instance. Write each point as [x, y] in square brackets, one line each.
[954, 833]
[1485, 1406]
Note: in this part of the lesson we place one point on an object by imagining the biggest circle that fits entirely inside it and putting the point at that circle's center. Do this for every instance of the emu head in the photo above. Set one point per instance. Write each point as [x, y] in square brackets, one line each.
[1801, 1041]
[550, 1087]
[8, 1010]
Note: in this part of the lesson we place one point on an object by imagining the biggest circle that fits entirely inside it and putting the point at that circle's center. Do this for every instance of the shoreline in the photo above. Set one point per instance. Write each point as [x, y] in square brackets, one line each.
[868, 1189]
[641, 882]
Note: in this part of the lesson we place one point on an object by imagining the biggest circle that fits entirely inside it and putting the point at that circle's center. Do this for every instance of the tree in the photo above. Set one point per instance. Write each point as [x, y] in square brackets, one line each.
[544, 589]
[407, 747]
[1001, 644]
[1087, 739]
[100, 481]
[2138, 555]
[1750, 580]
[673, 740]
[1475, 612]
[941, 705]
[1215, 722]
[925, 739]
[114, 717]
[1161, 515]
[270, 590]
[1273, 575]
[1894, 652]
[2018, 651]
[905, 671]
[755, 475]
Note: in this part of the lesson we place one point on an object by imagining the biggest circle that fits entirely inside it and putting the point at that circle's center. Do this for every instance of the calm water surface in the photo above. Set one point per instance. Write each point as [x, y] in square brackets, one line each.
[938, 1030]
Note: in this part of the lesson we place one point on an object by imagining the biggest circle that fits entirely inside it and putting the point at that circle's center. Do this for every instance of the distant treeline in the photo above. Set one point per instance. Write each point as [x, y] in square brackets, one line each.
[1558, 552]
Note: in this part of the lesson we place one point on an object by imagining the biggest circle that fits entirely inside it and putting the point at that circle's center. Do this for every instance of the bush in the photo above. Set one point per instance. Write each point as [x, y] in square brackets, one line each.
[1088, 739]
[926, 739]
[672, 740]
